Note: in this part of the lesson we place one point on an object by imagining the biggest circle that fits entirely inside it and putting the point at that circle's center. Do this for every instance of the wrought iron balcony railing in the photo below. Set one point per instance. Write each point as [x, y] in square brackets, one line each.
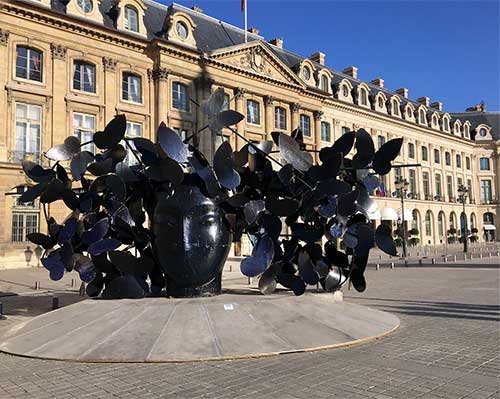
[19, 156]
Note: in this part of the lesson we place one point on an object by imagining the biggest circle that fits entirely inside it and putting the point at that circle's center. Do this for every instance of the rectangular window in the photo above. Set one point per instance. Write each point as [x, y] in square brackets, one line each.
[325, 131]
[305, 125]
[459, 161]
[84, 76]
[84, 129]
[411, 150]
[437, 156]
[345, 130]
[29, 63]
[279, 118]
[469, 189]
[131, 19]
[447, 158]
[449, 188]
[413, 182]
[486, 195]
[225, 103]
[426, 184]
[180, 96]
[253, 112]
[380, 141]
[398, 173]
[484, 163]
[425, 154]
[131, 88]
[24, 223]
[467, 163]
[183, 133]
[133, 130]
[439, 192]
[28, 132]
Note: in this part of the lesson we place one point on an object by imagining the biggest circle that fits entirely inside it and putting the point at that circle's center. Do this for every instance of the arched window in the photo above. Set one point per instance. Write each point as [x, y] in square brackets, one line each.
[422, 117]
[380, 102]
[279, 118]
[466, 131]
[363, 97]
[395, 108]
[131, 19]
[428, 223]
[84, 76]
[409, 113]
[345, 91]
[131, 87]
[446, 124]
[441, 224]
[488, 218]
[29, 63]
[305, 125]
[306, 73]
[415, 219]
[434, 121]
[180, 96]
[324, 83]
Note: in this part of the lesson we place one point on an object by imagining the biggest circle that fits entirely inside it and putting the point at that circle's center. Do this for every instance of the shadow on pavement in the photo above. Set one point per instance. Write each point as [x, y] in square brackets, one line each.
[452, 310]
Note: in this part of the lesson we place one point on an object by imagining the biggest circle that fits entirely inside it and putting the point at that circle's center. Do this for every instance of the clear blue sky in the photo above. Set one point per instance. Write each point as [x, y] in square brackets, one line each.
[447, 50]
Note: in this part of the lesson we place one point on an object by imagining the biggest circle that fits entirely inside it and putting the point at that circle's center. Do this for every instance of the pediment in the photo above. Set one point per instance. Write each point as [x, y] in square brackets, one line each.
[255, 57]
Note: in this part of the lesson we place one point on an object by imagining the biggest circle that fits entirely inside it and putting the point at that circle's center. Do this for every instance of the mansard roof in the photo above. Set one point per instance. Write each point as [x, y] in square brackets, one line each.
[477, 118]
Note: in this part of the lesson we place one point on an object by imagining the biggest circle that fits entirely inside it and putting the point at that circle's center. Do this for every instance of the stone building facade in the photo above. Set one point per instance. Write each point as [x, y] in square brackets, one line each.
[67, 67]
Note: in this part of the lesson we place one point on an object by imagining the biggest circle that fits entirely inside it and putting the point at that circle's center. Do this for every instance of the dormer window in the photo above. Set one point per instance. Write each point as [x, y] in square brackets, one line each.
[324, 83]
[131, 19]
[380, 102]
[345, 91]
[483, 132]
[306, 73]
[363, 95]
[395, 108]
[422, 117]
[446, 124]
[86, 6]
[434, 121]
[182, 30]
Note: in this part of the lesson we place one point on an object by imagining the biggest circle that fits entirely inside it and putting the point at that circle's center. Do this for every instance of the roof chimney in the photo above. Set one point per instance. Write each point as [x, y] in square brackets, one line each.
[378, 82]
[351, 71]
[276, 42]
[318, 57]
[437, 105]
[197, 9]
[477, 108]
[254, 30]
[402, 92]
[424, 100]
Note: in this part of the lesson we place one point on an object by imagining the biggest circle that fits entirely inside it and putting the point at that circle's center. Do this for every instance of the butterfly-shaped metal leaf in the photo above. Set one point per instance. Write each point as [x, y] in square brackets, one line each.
[224, 167]
[262, 256]
[36, 173]
[385, 155]
[54, 265]
[113, 133]
[105, 245]
[171, 144]
[79, 164]
[65, 151]
[85, 268]
[306, 269]
[384, 240]
[96, 233]
[290, 151]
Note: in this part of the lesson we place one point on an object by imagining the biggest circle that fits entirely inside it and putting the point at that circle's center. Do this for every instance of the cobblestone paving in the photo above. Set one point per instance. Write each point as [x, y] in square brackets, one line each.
[448, 346]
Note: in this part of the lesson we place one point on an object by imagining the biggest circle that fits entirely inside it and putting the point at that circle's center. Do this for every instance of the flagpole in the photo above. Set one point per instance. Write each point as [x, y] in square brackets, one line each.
[246, 22]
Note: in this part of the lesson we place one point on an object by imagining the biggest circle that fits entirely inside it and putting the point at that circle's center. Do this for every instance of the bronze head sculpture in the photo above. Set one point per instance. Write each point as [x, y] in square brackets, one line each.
[164, 226]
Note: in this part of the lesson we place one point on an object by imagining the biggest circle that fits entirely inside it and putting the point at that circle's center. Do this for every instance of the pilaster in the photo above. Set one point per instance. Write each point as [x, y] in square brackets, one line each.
[59, 127]
[295, 109]
[268, 115]
[204, 141]
[317, 116]
[4, 49]
[239, 96]
[111, 82]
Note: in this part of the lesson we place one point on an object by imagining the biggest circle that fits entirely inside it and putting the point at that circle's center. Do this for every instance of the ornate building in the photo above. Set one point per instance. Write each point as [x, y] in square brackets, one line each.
[68, 66]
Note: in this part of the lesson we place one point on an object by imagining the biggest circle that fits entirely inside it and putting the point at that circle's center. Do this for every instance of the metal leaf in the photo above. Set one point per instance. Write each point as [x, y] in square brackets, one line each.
[36, 173]
[79, 164]
[229, 118]
[171, 144]
[224, 167]
[105, 245]
[262, 256]
[291, 153]
[384, 241]
[112, 134]
[65, 151]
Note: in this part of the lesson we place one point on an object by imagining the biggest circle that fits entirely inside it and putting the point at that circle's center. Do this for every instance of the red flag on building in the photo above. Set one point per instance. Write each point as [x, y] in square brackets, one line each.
[242, 5]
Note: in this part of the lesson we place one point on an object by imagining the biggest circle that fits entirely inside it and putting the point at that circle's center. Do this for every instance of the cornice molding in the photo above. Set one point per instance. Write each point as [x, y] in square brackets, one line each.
[53, 19]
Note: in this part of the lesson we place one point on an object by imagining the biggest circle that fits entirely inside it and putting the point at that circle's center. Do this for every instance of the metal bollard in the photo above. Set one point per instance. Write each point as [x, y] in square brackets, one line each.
[1, 310]
[55, 303]
[445, 259]
[377, 267]
[480, 256]
[489, 255]
[465, 256]
[420, 262]
[392, 265]
[406, 263]
[454, 258]
[230, 267]
[249, 280]
[82, 289]
[380, 257]
[433, 261]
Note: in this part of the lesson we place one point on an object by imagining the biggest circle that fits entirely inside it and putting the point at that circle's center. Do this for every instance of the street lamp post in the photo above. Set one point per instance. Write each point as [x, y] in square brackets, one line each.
[462, 198]
[28, 253]
[402, 190]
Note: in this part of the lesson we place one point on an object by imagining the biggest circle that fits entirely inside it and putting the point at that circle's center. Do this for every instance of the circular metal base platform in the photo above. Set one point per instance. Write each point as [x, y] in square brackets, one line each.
[230, 326]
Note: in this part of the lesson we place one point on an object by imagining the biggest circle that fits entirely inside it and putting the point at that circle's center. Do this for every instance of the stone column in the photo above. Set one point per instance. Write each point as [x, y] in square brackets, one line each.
[4, 41]
[111, 81]
[318, 115]
[268, 116]
[59, 126]
[418, 171]
[160, 82]
[239, 97]
[295, 109]
[204, 140]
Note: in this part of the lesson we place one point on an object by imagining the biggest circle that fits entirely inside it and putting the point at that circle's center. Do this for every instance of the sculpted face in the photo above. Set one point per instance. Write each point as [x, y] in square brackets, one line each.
[192, 242]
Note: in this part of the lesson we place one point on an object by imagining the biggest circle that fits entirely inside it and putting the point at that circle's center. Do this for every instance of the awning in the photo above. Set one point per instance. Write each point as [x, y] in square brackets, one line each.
[389, 214]
[408, 215]
[489, 227]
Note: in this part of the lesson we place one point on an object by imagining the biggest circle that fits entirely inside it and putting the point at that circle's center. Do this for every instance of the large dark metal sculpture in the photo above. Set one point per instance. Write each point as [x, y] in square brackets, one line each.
[167, 221]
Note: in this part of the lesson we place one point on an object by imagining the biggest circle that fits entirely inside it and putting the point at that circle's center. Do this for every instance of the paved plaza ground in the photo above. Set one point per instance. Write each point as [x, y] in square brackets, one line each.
[448, 346]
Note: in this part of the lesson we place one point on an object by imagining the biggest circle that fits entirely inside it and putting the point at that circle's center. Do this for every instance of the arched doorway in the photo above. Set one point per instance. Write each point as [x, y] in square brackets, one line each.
[473, 228]
[452, 231]
[415, 233]
[489, 226]
[441, 227]
[428, 221]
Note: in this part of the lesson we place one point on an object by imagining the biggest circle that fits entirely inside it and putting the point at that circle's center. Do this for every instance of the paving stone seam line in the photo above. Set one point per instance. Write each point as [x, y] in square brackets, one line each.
[113, 333]
[162, 331]
[211, 327]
